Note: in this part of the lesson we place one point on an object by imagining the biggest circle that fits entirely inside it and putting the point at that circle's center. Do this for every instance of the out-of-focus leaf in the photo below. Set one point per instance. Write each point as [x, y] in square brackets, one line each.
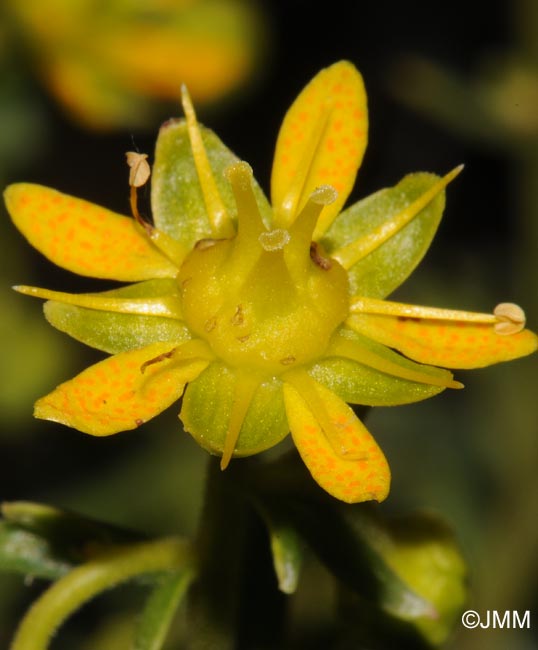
[407, 572]
[287, 547]
[423, 552]
[25, 552]
[160, 608]
[68, 527]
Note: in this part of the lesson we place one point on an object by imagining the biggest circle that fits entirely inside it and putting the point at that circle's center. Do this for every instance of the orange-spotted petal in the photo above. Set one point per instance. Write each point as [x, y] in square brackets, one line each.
[345, 460]
[321, 142]
[124, 391]
[446, 343]
[83, 237]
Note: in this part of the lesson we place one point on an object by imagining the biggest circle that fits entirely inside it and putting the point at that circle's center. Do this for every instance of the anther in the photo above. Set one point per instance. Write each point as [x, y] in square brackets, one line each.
[139, 172]
[139, 168]
[510, 317]
[161, 357]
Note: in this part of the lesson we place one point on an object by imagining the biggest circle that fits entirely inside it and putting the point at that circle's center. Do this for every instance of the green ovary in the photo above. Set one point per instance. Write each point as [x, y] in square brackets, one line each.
[265, 311]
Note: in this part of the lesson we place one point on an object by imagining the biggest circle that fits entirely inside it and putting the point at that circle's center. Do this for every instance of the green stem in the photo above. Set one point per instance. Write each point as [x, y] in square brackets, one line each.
[213, 603]
[83, 583]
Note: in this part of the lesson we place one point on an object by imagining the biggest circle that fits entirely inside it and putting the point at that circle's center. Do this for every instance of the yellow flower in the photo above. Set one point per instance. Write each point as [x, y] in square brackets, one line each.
[273, 317]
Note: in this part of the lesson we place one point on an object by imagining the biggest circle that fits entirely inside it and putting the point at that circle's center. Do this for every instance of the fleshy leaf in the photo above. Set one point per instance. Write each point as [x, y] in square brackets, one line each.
[41, 541]
[357, 383]
[117, 332]
[451, 344]
[366, 476]
[384, 269]
[123, 391]
[207, 407]
[176, 196]
[287, 546]
[321, 142]
[83, 237]
[26, 552]
[422, 551]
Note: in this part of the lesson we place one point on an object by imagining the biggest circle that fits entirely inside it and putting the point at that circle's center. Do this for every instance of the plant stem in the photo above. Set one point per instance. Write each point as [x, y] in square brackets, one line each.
[86, 581]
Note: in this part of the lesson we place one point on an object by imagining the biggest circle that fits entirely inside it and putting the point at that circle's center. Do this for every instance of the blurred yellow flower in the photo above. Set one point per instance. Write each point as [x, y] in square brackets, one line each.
[273, 317]
[109, 62]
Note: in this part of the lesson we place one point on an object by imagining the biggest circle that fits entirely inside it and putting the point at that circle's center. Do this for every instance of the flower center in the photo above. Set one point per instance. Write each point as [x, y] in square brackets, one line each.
[265, 300]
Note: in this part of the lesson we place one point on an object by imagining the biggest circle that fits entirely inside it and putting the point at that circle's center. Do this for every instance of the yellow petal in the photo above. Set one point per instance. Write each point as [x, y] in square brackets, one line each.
[124, 391]
[362, 472]
[83, 237]
[321, 142]
[451, 344]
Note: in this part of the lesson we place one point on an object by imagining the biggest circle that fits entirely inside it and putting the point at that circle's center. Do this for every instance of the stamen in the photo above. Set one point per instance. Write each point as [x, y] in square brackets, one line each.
[165, 306]
[510, 317]
[188, 351]
[355, 251]
[333, 430]
[219, 219]
[245, 387]
[139, 173]
[291, 203]
[362, 305]
[507, 318]
[342, 347]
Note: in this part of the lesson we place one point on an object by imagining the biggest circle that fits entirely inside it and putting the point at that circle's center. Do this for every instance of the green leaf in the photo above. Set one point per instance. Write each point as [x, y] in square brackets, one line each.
[358, 384]
[115, 332]
[22, 551]
[45, 542]
[422, 550]
[384, 269]
[286, 546]
[207, 404]
[176, 196]
[159, 611]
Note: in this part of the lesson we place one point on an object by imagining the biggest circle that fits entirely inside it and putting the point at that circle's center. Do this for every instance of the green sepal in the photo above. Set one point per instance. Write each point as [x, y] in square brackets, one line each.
[154, 622]
[207, 405]
[115, 332]
[44, 542]
[384, 269]
[358, 384]
[176, 196]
